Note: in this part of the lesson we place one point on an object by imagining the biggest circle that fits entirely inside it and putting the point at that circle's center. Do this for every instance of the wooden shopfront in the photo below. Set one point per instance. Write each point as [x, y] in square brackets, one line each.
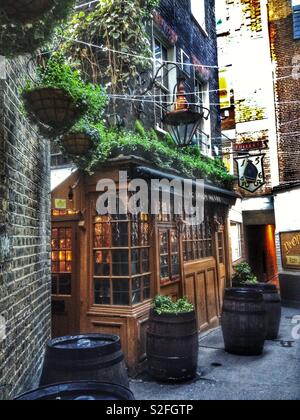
[106, 269]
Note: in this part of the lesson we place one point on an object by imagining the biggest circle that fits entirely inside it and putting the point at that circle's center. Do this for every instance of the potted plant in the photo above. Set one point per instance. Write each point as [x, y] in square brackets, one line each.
[243, 276]
[26, 25]
[82, 138]
[172, 340]
[59, 97]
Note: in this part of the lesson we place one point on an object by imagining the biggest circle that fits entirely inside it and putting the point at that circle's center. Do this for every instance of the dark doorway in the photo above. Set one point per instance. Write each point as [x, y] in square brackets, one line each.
[262, 252]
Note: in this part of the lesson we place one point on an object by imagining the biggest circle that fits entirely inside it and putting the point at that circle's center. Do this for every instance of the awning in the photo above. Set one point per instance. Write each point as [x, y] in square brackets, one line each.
[212, 193]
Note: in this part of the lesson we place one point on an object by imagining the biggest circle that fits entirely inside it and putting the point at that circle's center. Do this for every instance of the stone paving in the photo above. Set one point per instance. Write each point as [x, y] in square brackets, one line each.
[273, 376]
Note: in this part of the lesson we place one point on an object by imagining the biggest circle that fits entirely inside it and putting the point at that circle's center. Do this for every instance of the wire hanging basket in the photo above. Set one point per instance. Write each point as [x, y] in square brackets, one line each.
[77, 144]
[53, 110]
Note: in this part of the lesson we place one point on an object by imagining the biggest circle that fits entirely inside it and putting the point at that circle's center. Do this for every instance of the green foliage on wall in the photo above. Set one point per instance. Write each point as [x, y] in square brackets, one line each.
[18, 39]
[119, 25]
[160, 152]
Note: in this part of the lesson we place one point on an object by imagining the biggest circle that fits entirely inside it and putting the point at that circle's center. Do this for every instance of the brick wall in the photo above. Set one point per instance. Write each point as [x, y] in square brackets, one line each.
[24, 239]
[286, 56]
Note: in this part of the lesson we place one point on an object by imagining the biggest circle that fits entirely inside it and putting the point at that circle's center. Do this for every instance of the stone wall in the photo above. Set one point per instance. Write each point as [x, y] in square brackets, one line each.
[24, 239]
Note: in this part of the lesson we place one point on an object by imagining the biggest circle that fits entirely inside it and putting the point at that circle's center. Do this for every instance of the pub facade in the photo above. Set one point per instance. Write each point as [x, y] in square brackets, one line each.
[106, 269]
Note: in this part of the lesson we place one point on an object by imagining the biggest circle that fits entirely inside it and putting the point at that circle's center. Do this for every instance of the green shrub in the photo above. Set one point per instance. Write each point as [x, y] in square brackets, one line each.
[165, 305]
[244, 275]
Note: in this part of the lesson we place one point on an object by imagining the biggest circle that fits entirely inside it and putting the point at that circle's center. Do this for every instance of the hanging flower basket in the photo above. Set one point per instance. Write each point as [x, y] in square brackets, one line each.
[26, 10]
[77, 144]
[52, 109]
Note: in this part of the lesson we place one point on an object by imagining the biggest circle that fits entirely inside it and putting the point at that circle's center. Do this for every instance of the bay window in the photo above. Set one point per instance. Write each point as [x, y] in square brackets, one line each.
[121, 252]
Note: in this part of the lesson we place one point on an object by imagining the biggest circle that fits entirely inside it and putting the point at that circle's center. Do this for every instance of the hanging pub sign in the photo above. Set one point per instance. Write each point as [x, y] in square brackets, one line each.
[251, 145]
[290, 250]
[251, 172]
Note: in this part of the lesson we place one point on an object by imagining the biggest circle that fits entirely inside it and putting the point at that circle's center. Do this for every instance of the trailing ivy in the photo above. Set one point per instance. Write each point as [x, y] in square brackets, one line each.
[162, 153]
[18, 39]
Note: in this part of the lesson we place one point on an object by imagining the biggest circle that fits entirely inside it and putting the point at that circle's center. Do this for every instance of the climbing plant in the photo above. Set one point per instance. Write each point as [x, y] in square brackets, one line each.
[17, 38]
[118, 26]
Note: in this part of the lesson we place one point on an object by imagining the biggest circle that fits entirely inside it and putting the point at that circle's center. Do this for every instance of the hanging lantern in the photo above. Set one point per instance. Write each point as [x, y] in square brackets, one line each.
[182, 122]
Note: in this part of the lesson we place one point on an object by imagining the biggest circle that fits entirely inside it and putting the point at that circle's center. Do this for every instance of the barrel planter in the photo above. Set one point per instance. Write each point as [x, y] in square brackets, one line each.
[25, 11]
[172, 346]
[244, 322]
[77, 144]
[53, 108]
[79, 391]
[273, 308]
[90, 357]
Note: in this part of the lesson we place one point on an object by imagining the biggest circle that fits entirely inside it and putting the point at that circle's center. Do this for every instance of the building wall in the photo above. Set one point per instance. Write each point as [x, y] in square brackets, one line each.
[201, 45]
[175, 26]
[24, 239]
[243, 43]
[286, 59]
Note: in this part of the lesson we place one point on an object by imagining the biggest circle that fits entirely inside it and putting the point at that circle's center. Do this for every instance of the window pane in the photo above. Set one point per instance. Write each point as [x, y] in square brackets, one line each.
[54, 285]
[136, 291]
[164, 267]
[175, 265]
[119, 234]
[145, 261]
[102, 292]
[121, 292]
[65, 284]
[102, 235]
[102, 263]
[135, 262]
[135, 234]
[144, 234]
[120, 263]
[147, 287]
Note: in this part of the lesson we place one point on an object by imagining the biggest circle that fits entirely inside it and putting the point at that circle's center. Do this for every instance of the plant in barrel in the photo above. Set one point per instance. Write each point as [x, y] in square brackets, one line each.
[243, 275]
[172, 340]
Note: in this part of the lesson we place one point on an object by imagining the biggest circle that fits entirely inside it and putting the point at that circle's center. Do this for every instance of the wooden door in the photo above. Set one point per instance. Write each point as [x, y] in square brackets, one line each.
[201, 288]
[65, 281]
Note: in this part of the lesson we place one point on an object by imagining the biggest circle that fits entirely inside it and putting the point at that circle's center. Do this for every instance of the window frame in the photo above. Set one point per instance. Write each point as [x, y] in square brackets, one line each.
[239, 240]
[145, 277]
[195, 10]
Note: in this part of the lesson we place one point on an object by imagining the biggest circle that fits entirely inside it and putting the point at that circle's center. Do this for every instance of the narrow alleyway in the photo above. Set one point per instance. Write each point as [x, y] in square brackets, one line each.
[273, 376]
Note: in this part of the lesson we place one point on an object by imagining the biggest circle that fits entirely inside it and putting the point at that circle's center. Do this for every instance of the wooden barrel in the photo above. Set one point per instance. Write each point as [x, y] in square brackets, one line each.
[90, 357]
[273, 308]
[172, 346]
[81, 391]
[244, 322]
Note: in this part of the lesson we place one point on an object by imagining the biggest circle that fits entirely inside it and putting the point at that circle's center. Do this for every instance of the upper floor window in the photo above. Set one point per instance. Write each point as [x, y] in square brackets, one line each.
[198, 11]
[165, 81]
[185, 63]
[203, 136]
[296, 18]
